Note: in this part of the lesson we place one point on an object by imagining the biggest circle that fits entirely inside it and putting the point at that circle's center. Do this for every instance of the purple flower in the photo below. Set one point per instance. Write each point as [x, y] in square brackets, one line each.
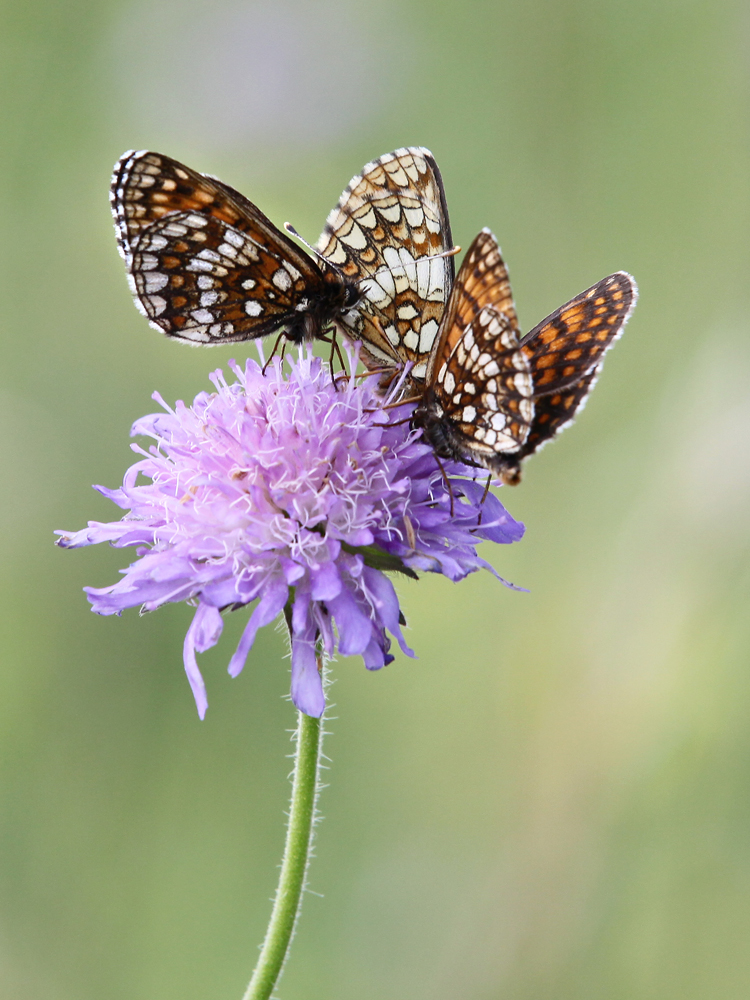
[297, 494]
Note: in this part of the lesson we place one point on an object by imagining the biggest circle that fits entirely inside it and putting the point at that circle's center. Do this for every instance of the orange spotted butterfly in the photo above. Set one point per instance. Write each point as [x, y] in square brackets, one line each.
[493, 397]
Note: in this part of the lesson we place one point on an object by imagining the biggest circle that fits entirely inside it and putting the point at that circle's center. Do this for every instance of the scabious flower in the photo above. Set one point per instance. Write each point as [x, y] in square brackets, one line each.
[288, 490]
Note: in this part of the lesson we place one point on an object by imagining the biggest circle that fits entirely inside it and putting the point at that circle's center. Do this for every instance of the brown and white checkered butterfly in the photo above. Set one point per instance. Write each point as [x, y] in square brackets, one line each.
[207, 267]
[389, 235]
[492, 396]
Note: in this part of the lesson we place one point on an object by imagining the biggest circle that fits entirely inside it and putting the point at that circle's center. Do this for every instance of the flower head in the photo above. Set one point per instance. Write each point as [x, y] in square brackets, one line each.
[299, 494]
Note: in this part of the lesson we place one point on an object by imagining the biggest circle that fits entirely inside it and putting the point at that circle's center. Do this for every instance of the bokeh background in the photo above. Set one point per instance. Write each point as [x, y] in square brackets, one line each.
[553, 801]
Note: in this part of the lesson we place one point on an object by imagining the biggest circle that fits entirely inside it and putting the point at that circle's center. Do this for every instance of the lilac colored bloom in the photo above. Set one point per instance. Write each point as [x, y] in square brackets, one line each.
[288, 491]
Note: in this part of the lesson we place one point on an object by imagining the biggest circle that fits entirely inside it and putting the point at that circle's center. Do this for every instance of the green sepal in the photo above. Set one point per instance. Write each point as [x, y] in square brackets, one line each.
[376, 558]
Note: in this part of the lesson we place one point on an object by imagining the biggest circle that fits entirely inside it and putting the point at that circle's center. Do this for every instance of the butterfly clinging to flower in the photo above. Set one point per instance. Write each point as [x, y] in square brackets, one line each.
[206, 266]
[492, 397]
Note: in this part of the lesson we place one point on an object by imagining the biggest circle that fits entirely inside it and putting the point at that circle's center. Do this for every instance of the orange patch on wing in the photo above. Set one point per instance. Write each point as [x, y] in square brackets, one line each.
[226, 215]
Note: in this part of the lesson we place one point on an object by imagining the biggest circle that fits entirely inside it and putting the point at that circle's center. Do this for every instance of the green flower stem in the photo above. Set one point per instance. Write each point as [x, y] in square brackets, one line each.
[288, 899]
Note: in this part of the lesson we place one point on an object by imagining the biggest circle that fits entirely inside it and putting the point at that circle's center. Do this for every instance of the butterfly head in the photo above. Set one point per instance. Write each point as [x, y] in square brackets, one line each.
[354, 295]
[344, 294]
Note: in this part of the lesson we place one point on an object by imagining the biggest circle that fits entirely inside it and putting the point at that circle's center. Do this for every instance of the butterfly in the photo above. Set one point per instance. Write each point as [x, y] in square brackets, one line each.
[390, 234]
[206, 266]
[493, 397]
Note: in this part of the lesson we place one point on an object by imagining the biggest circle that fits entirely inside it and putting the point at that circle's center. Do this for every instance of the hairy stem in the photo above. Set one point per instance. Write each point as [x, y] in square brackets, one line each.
[288, 901]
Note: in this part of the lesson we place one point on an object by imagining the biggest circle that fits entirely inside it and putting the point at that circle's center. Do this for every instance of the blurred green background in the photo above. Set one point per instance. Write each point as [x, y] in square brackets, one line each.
[553, 801]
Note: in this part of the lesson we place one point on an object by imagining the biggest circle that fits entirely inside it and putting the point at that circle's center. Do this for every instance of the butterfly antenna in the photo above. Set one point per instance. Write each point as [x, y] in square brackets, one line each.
[290, 229]
[436, 256]
[413, 263]
[446, 253]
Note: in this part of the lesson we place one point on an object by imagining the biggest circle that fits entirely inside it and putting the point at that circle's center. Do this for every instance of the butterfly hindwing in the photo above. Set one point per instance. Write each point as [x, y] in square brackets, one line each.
[484, 387]
[389, 220]
[478, 396]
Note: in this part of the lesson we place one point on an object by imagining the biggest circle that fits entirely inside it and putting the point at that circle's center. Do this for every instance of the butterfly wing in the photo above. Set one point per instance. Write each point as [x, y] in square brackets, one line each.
[482, 391]
[566, 353]
[390, 219]
[478, 400]
[496, 398]
[565, 346]
[556, 411]
[200, 280]
[482, 281]
[204, 264]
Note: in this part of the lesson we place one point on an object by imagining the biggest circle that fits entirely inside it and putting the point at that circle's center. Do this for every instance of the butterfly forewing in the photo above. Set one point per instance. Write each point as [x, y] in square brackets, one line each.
[146, 186]
[482, 281]
[390, 219]
[205, 265]
[565, 346]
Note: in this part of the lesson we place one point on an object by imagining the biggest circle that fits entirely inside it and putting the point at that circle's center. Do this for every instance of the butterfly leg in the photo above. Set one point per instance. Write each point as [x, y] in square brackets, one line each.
[273, 352]
[398, 423]
[335, 351]
[374, 371]
[337, 348]
[447, 483]
[393, 406]
[484, 497]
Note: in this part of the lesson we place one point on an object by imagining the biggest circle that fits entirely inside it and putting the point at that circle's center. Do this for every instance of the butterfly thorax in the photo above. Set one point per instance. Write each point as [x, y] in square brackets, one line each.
[315, 315]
